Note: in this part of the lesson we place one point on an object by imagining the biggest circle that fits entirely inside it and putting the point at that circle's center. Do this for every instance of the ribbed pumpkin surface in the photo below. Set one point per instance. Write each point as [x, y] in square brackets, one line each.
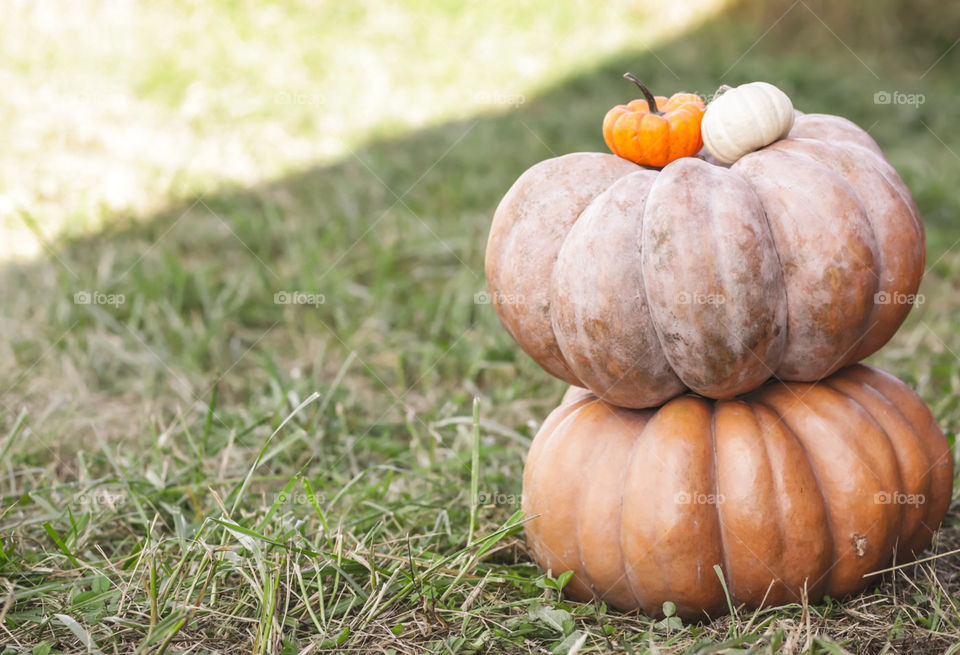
[796, 484]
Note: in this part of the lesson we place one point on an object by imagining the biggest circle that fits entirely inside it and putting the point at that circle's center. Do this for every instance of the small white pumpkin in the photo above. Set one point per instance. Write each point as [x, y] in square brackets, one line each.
[745, 118]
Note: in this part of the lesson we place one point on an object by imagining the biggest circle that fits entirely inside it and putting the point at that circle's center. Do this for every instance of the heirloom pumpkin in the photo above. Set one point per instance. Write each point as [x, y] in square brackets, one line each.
[796, 485]
[801, 258]
[742, 119]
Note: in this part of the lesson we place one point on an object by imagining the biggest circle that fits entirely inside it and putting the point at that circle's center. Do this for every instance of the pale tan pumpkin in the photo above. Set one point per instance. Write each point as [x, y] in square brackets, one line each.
[796, 484]
[799, 259]
[742, 119]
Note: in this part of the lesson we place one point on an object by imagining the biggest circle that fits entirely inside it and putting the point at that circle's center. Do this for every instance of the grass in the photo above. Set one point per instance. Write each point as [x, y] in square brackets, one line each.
[235, 93]
[190, 466]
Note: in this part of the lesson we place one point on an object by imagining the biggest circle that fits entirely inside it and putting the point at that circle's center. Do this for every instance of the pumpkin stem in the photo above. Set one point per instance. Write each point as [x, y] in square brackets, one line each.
[651, 101]
[723, 88]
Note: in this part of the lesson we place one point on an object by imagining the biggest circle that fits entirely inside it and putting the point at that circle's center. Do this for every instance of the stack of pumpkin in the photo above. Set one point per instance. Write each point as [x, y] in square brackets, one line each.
[709, 307]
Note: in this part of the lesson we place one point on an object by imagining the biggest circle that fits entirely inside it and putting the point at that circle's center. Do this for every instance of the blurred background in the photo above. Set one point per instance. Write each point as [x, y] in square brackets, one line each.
[211, 210]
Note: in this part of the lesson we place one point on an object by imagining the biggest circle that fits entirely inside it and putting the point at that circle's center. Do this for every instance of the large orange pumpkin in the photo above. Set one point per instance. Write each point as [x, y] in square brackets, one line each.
[801, 258]
[797, 484]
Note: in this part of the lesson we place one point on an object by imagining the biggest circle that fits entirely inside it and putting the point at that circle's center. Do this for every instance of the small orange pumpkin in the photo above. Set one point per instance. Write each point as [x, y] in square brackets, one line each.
[655, 137]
